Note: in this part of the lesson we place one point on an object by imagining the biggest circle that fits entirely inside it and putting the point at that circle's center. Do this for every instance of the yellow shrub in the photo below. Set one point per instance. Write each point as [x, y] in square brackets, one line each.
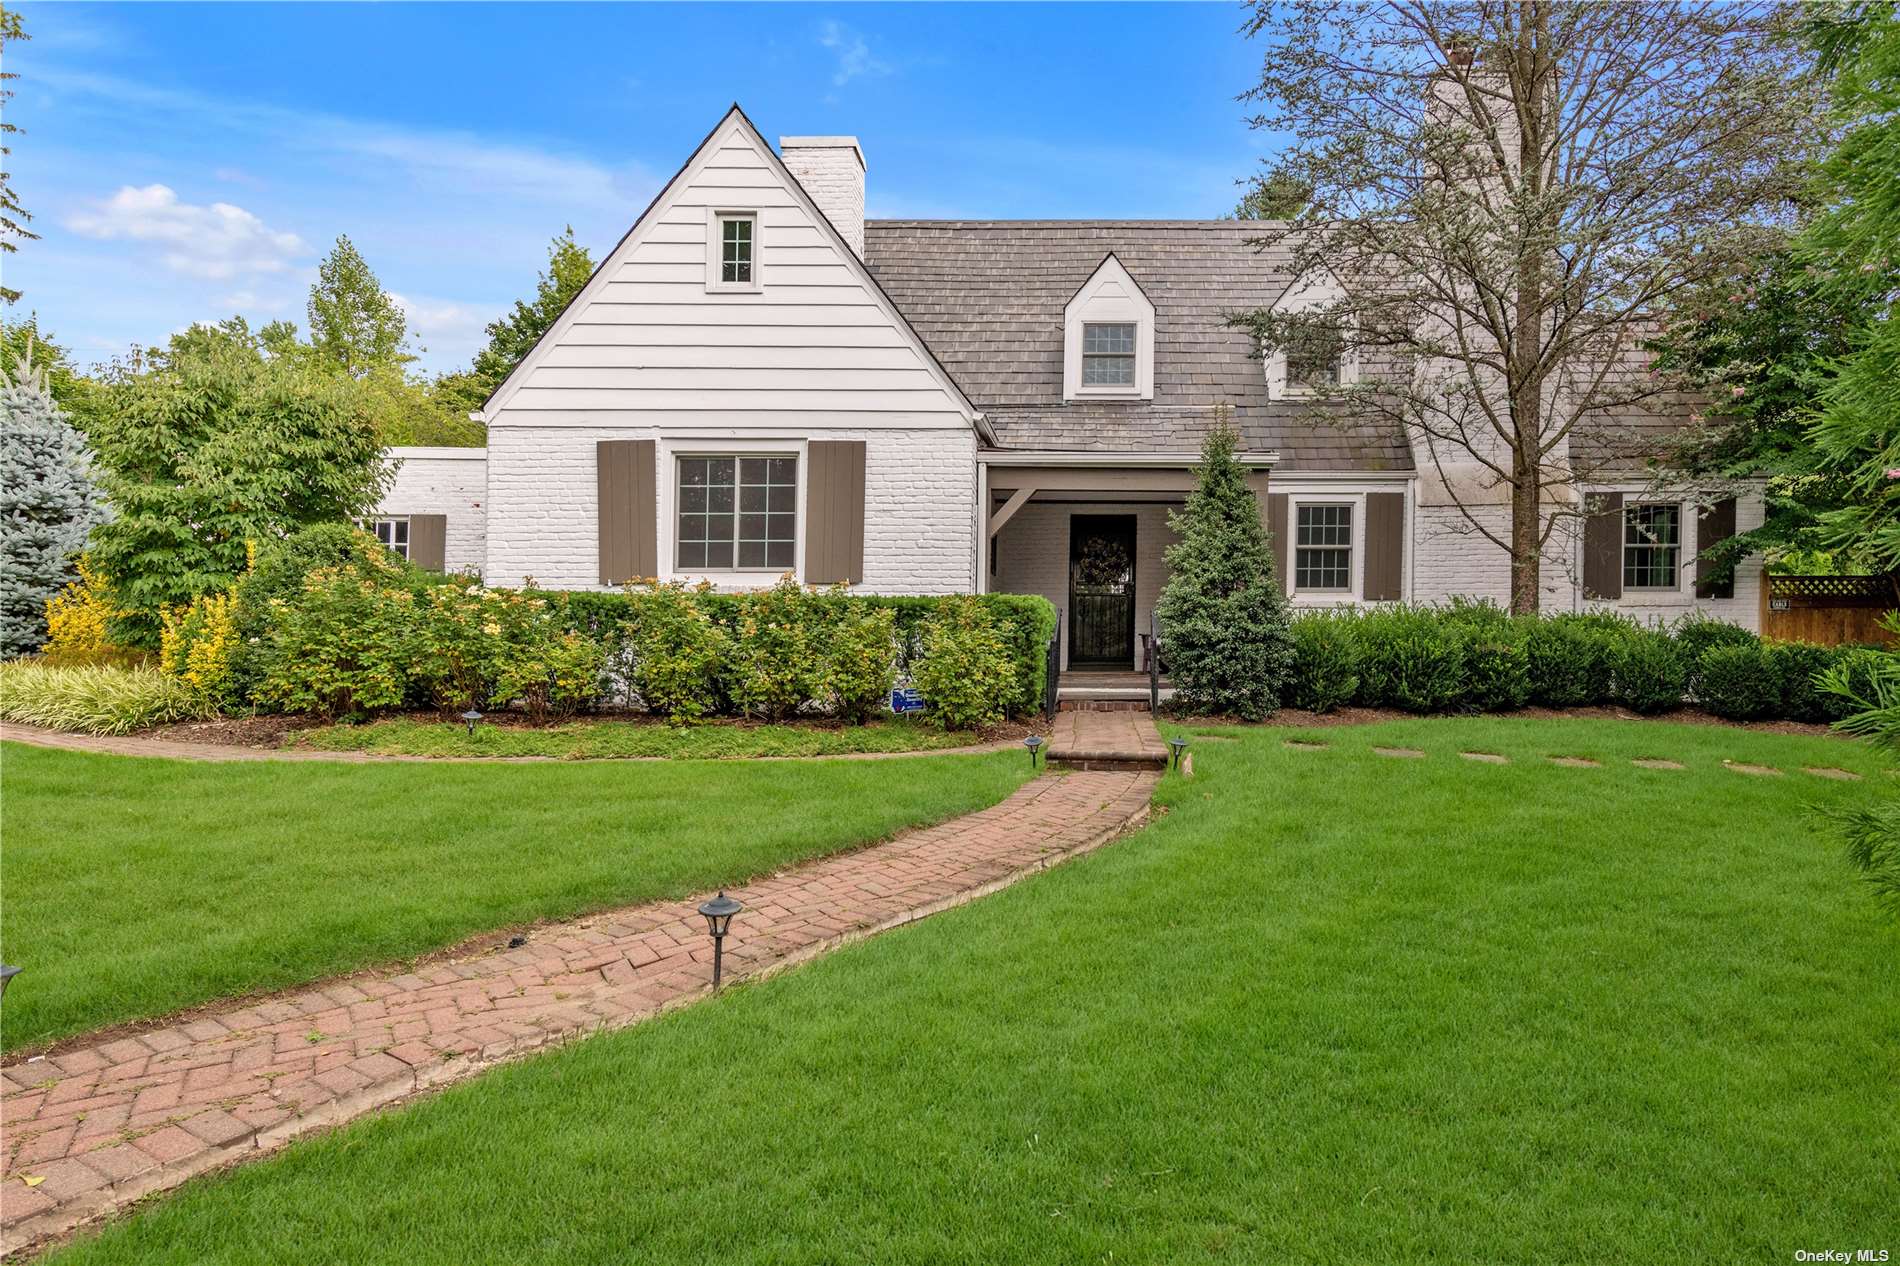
[198, 645]
[78, 620]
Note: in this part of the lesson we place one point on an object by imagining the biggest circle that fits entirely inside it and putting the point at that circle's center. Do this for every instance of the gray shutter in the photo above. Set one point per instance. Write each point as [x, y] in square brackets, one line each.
[629, 510]
[427, 535]
[1385, 547]
[1713, 525]
[1603, 545]
[1276, 530]
[834, 513]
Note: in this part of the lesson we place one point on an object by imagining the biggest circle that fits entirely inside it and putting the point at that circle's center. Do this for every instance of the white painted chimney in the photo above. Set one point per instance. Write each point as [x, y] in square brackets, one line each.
[832, 170]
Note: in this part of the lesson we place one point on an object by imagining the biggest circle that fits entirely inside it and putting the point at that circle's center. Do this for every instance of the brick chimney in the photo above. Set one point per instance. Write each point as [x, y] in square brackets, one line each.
[831, 168]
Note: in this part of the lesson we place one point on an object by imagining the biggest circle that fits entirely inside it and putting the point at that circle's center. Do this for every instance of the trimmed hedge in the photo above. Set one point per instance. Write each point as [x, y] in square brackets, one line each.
[1473, 657]
[1028, 622]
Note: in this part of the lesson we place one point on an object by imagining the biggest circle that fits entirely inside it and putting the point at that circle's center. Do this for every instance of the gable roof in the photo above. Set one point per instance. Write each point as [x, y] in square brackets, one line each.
[989, 297]
[734, 119]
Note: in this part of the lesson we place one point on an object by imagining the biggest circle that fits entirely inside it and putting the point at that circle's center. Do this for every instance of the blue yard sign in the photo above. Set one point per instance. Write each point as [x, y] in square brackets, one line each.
[906, 699]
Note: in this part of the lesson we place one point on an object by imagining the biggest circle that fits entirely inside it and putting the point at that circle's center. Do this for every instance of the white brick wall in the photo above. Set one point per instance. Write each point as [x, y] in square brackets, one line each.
[831, 168]
[919, 498]
[451, 482]
[1454, 560]
[1032, 554]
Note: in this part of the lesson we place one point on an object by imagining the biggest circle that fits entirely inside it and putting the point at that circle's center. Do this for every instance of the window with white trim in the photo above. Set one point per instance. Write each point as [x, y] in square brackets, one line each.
[736, 513]
[732, 251]
[1108, 354]
[1322, 548]
[394, 533]
[1652, 546]
[1314, 363]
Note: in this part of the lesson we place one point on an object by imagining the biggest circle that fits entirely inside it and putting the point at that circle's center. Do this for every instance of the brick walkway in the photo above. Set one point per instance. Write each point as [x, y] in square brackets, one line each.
[1085, 739]
[102, 1125]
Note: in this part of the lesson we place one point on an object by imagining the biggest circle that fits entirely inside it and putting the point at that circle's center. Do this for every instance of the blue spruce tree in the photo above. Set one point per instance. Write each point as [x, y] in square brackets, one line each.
[48, 505]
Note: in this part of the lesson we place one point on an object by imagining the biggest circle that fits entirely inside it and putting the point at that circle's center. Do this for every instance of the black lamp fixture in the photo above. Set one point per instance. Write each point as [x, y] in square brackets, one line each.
[1034, 744]
[7, 972]
[469, 719]
[719, 912]
[1179, 745]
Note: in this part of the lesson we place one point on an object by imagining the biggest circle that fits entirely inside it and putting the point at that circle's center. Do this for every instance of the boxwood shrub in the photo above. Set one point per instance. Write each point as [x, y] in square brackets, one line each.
[1410, 658]
[1740, 681]
[1325, 661]
[1649, 673]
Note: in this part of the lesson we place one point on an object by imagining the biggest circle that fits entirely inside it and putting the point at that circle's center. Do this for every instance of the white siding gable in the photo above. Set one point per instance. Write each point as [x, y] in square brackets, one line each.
[1109, 296]
[815, 341]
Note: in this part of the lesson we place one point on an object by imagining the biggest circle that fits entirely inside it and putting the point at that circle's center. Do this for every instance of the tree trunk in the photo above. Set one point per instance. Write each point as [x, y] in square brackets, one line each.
[1526, 560]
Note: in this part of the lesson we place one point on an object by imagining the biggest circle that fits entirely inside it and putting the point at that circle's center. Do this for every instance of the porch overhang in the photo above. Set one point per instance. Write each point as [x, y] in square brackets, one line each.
[1026, 473]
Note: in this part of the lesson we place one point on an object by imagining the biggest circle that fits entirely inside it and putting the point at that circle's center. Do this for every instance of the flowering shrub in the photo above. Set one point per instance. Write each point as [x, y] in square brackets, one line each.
[79, 618]
[858, 658]
[677, 651]
[771, 668]
[344, 645]
[198, 645]
[964, 667]
[452, 642]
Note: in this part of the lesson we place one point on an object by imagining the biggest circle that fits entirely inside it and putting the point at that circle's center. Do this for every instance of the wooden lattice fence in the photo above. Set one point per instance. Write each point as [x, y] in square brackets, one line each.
[1830, 610]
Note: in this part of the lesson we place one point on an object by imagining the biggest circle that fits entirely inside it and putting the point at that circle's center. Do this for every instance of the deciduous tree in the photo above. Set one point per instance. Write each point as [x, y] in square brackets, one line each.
[354, 322]
[13, 216]
[1503, 194]
[214, 445]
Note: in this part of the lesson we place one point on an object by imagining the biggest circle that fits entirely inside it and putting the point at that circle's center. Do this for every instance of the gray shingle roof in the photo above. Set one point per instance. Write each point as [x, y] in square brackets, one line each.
[987, 296]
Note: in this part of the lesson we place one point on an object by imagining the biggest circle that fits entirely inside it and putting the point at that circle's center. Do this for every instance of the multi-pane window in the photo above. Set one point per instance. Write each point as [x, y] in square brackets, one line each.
[1313, 362]
[1108, 354]
[394, 533]
[737, 513]
[1322, 548]
[735, 250]
[1652, 546]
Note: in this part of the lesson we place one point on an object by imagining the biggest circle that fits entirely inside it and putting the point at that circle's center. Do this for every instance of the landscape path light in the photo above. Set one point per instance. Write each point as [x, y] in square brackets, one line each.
[1034, 744]
[7, 972]
[1179, 745]
[469, 719]
[719, 912]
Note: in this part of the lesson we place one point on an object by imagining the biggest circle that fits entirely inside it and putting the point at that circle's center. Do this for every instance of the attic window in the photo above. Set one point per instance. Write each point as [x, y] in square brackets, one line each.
[1108, 354]
[735, 250]
[732, 251]
[1313, 361]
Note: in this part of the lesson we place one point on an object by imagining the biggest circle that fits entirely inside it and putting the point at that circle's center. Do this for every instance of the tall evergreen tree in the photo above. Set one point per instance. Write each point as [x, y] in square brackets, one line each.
[1224, 622]
[354, 322]
[13, 216]
[48, 504]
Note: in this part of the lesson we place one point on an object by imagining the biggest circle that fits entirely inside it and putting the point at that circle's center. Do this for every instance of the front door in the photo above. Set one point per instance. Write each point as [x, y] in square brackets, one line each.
[1102, 591]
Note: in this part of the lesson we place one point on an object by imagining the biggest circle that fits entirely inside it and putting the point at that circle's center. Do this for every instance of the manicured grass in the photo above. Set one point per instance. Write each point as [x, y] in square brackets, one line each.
[1330, 1007]
[135, 887]
[594, 738]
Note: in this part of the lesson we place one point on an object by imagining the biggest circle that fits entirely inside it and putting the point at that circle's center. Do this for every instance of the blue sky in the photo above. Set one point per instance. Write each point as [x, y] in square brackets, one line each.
[188, 162]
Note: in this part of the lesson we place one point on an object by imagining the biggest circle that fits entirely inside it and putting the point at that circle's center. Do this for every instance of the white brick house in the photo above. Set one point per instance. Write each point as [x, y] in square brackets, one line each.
[757, 380]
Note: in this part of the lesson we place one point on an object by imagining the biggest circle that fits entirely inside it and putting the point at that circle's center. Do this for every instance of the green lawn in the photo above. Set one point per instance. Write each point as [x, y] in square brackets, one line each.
[1330, 1007]
[135, 887]
[598, 738]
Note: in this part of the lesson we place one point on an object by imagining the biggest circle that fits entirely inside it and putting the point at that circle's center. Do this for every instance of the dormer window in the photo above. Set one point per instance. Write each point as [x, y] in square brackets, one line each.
[1108, 334]
[1108, 353]
[732, 251]
[1314, 363]
[1313, 358]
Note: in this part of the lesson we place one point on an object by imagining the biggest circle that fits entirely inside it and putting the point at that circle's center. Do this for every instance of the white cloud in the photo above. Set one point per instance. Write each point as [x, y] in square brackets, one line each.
[217, 242]
[444, 326]
[854, 55]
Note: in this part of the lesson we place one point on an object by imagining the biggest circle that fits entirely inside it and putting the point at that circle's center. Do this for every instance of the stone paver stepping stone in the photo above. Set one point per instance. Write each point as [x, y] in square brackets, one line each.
[1486, 758]
[1404, 753]
[1576, 762]
[1760, 771]
[1828, 771]
[1656, 763]
[1297, 746]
